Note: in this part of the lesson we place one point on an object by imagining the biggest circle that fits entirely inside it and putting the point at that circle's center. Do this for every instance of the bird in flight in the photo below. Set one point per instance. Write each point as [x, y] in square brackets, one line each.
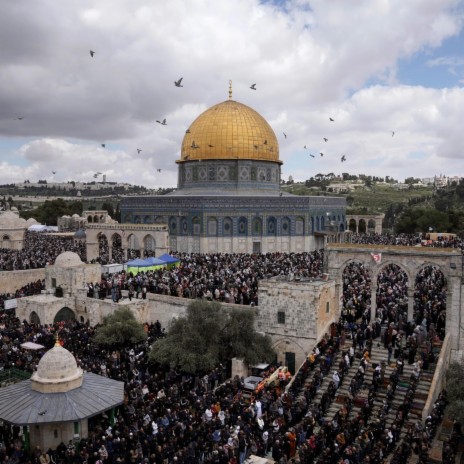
[138, 150]
[41, 413]
[19, 119]
[187, 131]
[304, 147]
[159, 170]
[211, 146]
[332, 119]
[256, 147]
[194, 146]
[103, 145]
[53, 172]
[326, 140]
[322, 154]
[265, 142]
[163, 122]
[92, 53]
[95, 176]
[285, 135]
[343, 158]
[393, 133]
[178, 83]
[253, 87]
[187, 157]
[312, 156]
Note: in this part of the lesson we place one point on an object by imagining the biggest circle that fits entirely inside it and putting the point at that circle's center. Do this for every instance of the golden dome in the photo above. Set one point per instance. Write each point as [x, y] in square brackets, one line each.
[230, 130]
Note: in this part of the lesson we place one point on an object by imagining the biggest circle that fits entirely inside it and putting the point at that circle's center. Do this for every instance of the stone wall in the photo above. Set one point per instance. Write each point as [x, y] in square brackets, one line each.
[10, 281]
[294, 314]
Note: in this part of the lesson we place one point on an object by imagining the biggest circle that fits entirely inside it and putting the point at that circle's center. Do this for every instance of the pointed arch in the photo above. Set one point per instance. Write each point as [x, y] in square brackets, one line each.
[227, 227]
[65, 314]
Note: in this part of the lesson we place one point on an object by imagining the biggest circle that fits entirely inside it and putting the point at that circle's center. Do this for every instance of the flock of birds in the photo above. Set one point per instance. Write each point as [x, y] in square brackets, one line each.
[194, 146]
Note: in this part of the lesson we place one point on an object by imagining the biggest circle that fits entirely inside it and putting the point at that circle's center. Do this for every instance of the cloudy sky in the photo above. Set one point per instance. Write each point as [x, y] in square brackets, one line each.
[374, 66]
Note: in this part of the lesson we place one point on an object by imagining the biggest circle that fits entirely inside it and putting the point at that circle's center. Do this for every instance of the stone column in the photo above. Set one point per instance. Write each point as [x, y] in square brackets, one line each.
[373, 301]
[357, 225]
[410, 303]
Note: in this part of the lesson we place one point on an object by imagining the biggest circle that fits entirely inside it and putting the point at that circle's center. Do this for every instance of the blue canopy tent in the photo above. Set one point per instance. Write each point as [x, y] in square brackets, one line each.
[155, 261]
[171, 261]
[137, 265]
[148, 264]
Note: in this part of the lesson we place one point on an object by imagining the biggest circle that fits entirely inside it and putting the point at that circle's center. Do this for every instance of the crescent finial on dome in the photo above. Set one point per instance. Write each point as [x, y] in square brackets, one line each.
[230, 90]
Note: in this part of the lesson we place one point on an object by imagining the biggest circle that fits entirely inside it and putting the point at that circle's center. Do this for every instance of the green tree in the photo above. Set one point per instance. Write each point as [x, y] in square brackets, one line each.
[208, 335]
[49, 212]
[420, 219]
[239, 339]
[120, 329]
[108, 207]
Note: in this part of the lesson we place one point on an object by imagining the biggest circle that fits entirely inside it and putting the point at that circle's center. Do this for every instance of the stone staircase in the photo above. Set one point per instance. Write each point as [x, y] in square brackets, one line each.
[378, 355]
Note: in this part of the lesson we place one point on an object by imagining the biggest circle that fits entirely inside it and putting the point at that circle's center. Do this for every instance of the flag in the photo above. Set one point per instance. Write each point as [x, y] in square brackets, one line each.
[377, 257]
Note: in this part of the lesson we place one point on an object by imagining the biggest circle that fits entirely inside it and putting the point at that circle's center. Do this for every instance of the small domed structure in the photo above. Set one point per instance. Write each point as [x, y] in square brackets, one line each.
[68, 259]
[76, 216]
[57, 372]
[11, 220]
[31, 221]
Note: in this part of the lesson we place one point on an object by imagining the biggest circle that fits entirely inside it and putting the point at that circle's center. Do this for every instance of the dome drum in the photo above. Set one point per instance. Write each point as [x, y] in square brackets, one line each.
[230, 175]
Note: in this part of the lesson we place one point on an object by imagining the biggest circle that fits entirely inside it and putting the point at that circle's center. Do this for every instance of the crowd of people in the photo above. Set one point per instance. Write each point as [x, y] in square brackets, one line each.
[405, 240]
[230, 278]
[39, 249]
[169, 416]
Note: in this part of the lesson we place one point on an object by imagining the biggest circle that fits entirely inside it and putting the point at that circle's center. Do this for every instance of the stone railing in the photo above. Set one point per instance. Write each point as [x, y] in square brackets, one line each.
[439, 376]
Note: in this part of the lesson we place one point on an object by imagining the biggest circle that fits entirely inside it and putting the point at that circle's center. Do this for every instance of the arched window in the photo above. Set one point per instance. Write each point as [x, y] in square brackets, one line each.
[196, 225]
[242, 226]
[133, 242]
[89, 219]
[227, 227]
[212, 227]
[285, 226]
[184, 226]
[299, 226]
[149, 243]
[95, 219]
[271, 226]
[257, 226]
[173, 225]
[312, 225]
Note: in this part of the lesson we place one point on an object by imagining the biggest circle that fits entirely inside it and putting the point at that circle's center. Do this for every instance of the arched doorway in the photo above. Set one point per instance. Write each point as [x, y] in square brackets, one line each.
[117, 253]
[430, 300]
[34, 318]
[392, 294]
[362, 226]
[64, 314]
[356, 298]
[103, 250]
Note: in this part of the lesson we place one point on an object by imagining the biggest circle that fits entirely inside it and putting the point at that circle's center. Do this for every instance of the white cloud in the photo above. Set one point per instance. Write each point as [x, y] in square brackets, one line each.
[310, 59]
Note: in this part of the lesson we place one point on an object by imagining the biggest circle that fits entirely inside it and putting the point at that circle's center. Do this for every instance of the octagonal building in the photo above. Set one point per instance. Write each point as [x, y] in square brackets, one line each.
[228, 197]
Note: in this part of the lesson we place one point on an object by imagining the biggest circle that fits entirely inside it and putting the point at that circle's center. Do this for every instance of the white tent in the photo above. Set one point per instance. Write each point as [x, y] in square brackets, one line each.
[42, 228]
[31, 346]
